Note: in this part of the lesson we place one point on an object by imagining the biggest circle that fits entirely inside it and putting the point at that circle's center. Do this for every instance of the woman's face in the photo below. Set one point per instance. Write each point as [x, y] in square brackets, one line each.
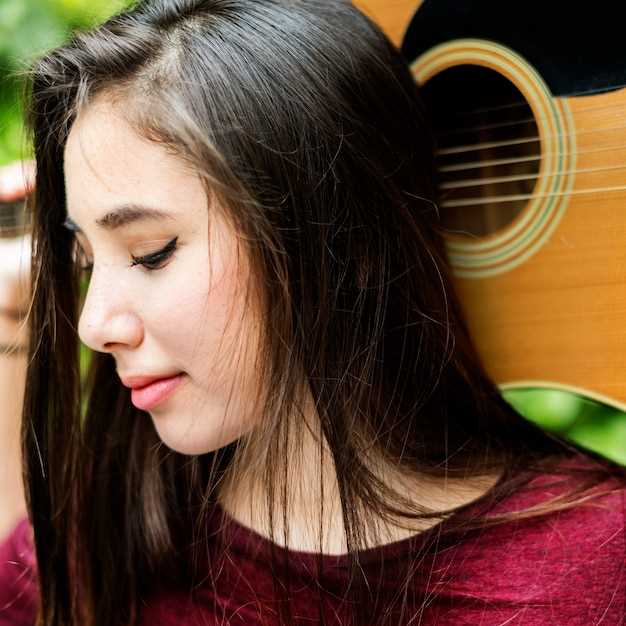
[166, 294]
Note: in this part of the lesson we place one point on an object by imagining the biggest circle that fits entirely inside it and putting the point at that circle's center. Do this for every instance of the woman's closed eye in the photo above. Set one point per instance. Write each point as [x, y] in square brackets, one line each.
[150, 262]
[156, 260]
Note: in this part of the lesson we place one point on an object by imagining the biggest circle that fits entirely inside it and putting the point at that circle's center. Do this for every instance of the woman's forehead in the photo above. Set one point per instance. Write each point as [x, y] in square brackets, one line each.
[107, 164]
[103, 141]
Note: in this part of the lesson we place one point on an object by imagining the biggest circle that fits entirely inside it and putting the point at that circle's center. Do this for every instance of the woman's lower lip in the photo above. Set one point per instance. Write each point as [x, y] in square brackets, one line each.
[148, 397]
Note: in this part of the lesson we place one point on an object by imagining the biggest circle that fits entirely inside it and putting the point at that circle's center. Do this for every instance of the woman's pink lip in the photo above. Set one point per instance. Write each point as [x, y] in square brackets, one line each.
[146, 398]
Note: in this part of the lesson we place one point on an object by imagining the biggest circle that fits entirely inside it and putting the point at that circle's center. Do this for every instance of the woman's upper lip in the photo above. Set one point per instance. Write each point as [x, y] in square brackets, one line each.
[137, 382]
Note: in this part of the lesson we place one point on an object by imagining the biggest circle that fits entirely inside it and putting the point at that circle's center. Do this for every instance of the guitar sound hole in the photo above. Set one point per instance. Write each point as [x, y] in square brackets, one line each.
[488, 154]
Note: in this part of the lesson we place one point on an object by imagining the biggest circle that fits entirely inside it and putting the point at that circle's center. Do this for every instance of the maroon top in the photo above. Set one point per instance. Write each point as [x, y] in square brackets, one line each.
[564, 568]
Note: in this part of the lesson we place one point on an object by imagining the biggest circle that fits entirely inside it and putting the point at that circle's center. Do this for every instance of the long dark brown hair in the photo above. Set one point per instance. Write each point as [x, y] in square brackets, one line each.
[304, 120]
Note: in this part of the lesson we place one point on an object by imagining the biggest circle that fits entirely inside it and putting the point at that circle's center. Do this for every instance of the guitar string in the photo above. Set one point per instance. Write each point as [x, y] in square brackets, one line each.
[459, 130]
[486, 199]
[495, 125]
[489, 163]
[472, 182]
[520, 103]
[494, 144]
[457, 149]
[520, 197]
[489, 109]
[487, 145]
[509, 123]
[505, 161]
[479, 201]
[522, 141]
[494, 180]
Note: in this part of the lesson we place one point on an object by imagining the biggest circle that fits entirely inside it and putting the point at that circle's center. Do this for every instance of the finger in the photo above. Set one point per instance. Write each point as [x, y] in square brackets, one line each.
[15, 256]
[16, 180]
[14, 273]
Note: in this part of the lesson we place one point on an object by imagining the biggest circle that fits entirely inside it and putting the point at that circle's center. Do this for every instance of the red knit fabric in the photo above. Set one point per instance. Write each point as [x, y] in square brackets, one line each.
[567, 568]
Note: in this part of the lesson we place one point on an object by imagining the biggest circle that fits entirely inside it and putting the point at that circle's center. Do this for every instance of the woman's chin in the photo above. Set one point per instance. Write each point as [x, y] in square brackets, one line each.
[190, 441]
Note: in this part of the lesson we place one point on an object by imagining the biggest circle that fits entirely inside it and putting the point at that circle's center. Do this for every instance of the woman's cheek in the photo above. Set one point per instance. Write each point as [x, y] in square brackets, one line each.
[197, 319]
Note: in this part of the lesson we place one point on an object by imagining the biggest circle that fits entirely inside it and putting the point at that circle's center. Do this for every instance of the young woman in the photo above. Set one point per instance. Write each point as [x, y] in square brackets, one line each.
[284, 419]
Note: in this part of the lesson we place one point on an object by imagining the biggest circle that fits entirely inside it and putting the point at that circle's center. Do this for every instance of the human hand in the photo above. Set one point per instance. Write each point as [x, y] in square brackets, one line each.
[16, 180]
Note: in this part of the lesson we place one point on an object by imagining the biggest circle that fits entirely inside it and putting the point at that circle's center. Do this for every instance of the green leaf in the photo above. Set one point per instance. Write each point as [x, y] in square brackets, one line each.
[34, 31]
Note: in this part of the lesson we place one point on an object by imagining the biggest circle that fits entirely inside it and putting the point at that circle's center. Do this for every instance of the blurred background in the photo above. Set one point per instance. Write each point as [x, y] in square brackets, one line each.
[29, 27]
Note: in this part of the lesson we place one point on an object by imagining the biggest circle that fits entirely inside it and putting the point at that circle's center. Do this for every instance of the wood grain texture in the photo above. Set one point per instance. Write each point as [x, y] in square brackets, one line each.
[559, 318]
[393, 16]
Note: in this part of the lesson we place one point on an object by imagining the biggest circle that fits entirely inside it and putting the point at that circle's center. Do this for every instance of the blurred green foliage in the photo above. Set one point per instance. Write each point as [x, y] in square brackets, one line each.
[30, 27]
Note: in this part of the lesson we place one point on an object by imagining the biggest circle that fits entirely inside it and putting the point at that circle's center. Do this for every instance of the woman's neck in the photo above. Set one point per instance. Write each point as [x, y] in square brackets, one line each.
[248, 504]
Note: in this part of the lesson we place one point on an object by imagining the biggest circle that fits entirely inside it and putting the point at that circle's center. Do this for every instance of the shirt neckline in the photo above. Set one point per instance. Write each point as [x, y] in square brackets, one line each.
[248, 543]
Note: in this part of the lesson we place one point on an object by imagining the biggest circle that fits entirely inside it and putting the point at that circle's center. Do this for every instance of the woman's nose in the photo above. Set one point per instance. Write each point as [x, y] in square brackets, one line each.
[107, 322]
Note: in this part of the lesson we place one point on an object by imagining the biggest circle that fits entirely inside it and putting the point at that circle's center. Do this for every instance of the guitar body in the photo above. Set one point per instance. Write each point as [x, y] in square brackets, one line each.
[530, 115]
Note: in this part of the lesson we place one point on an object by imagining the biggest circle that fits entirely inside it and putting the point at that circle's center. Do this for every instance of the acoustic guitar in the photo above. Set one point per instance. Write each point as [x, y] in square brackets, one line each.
[530, 116]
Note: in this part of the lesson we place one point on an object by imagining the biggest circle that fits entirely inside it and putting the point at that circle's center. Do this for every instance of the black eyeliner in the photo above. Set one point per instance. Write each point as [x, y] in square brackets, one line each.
[156, 257]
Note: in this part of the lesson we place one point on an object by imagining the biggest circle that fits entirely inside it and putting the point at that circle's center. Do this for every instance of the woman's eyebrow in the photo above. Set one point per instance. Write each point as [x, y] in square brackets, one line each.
[122, 216]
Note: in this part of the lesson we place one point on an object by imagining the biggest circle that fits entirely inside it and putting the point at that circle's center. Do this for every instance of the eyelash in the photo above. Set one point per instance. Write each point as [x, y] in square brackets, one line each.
[150, 262]
[155, 260]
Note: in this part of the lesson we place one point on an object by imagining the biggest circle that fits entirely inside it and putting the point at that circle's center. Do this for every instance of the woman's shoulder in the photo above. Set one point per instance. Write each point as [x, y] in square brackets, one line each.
[581, 496]
[18, 577]
[568, 556]
[593, 483]
[567, 563]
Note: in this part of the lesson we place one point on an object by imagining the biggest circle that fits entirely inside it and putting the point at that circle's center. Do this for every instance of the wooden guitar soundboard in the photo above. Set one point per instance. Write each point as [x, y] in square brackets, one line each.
[531, 127]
